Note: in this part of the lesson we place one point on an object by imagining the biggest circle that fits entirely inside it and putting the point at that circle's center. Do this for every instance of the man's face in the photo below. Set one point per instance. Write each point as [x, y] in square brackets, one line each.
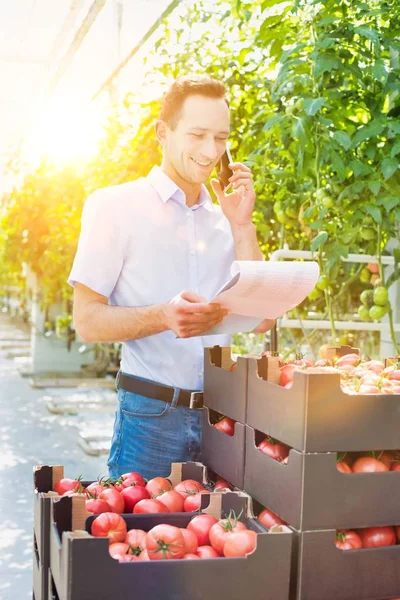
[198, 141]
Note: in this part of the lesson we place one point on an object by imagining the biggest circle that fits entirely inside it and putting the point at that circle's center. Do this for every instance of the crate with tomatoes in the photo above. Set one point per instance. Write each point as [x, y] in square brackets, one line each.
[171, 554]
[224, 413]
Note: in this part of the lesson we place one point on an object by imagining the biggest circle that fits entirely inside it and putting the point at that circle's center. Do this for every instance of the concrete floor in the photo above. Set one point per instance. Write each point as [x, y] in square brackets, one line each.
[29, 436]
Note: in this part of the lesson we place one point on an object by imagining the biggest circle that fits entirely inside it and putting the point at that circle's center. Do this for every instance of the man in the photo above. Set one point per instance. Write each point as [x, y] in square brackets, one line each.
[151, 252]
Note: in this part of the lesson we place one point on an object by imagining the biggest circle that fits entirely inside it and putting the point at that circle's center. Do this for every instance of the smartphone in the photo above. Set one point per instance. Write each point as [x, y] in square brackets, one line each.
[223, 170]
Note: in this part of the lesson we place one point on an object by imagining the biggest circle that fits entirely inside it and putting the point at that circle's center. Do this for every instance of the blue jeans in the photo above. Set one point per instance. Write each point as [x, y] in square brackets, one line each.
[150, 434]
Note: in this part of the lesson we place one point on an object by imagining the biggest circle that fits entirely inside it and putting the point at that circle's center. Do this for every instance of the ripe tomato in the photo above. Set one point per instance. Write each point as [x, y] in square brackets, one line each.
[276, 450]
[233, 367]
[222, 484]
[348, 359]
[376, 537]
[368, 464]
[133, 478]
[132, 495]
[207, 551]
[188, 487]
[109, 525]
[172, 500]
[95, 488]
[348, 540]
[385, 457]
[240, 543]
[220, 532]
[268, 519]
[114, 499]
[124, 557]
[397, 530]
[165, 542]
[66, 485]
[157, 486]
[343, 467]
[373, 267]
[191, 541]
[395, 375]
[193, 503]
[376, 366]
[286, 374]
[201, 525]
[150, 506]
[118, 549]
[189, 555]
[97, 506]
[226, 425]
[135, 538]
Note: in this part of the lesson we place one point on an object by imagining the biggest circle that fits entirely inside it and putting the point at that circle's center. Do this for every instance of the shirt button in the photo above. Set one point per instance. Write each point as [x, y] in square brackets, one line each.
[188, 214]
[201, 373]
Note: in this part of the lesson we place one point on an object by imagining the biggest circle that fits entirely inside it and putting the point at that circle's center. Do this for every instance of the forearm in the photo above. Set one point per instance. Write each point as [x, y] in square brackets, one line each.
[246, 243]
[99, 322]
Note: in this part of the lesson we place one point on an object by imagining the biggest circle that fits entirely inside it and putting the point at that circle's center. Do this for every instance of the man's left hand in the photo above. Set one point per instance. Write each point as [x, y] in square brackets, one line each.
[238, 205]
[264, 326]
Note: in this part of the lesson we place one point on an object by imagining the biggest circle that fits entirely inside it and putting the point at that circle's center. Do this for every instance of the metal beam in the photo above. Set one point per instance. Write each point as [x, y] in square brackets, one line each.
[170, 8]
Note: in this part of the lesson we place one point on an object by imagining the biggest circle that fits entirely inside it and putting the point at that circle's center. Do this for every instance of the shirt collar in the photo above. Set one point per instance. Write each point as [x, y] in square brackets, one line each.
[168, 189]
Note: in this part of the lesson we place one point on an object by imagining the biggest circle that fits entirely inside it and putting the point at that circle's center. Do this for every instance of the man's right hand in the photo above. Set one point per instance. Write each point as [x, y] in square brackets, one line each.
[189, 314]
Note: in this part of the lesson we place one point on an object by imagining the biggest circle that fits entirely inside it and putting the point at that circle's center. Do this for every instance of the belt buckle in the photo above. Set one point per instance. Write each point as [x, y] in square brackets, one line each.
[194, 398]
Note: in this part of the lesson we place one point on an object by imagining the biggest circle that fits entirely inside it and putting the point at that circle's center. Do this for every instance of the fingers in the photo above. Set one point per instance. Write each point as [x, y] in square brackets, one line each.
[246, 183]
[236, 166]
[192, 297]
[216, 186]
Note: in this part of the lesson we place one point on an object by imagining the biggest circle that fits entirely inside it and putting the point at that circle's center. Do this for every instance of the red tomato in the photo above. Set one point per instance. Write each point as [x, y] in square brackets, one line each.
[188, 487]
[376, 537]
[286, 374]
[150, 506]
[191, 541]
[348, 359]
[395, 375]
[95, 488]
[66, 485]
[343, 467]
[118, 549]
[124, 557]
[97, 506]
[276, 450]
[385, 457]
[348, 540]
[233, 367]
[133, 478]
[201, 526]
[367, 464]
[132, 495]
[240, 543]
[397, 530]
[207, 552]
[222, 484]
[226, 425]
[172, 500]
[269, 519]
[135, 538]
[157, 486]
[114, 499]
[220, 532]
[373, 268]
[193, 503]
[189, 555]
[395, 466]
[165, 542]
[109, 525]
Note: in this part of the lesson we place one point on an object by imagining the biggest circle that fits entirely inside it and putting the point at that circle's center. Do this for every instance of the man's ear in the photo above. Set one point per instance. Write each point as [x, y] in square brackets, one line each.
[161, 131]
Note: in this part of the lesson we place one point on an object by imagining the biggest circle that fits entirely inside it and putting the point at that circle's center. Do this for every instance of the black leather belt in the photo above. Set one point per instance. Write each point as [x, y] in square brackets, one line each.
[165, 393]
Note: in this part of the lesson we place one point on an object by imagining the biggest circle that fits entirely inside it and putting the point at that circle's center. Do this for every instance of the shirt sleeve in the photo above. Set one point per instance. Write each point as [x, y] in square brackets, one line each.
[99, 257]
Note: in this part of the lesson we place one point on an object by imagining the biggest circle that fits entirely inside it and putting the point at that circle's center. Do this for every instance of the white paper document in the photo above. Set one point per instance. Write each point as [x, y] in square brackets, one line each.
[261, 290]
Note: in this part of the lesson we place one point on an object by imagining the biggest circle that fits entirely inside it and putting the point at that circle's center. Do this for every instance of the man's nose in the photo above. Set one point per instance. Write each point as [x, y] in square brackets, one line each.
[209, 150]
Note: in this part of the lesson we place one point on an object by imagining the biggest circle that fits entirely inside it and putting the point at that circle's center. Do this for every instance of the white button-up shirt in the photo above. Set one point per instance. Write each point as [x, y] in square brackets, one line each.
[140, 244]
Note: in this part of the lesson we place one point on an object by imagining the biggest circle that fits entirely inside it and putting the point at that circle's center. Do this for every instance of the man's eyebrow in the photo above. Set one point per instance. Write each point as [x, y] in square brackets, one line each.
[205, 129]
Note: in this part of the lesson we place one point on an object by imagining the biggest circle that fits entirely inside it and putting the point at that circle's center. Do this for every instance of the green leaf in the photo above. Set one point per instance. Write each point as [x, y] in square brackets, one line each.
[325, 63]
[343, 138]
[338, 165]
[375, 187]
[273, 121]
[374, 211]
[368, 32]
[389, 202]
[372, 129]
[395, 150]
[299, 131]
[359, 168]
[319, 240]
[395, 126]
[379, 71]
[389, 167]
[313, 106]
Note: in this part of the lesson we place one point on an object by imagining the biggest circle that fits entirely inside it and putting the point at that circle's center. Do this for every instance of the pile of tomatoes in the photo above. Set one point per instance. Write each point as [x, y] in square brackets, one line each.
[357, 376]
[132, 494]
[204, 537]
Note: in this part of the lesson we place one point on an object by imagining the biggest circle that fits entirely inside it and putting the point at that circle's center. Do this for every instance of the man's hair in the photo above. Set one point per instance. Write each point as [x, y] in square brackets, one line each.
[182, 88]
